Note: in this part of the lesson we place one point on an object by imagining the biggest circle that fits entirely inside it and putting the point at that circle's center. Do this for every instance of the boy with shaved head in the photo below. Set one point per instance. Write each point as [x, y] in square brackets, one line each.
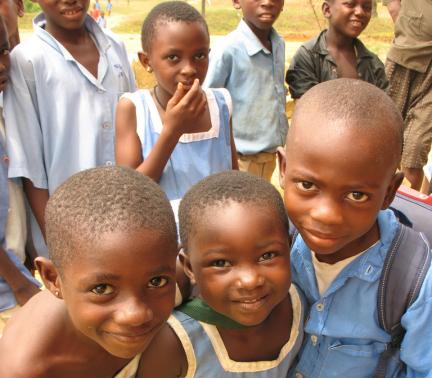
[339, 172]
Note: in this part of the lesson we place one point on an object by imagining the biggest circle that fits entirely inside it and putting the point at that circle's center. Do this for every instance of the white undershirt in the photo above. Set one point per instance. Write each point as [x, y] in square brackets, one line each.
[326, 273]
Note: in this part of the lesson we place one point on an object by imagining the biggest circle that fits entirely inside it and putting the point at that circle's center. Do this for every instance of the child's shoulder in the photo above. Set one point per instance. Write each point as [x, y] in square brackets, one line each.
[31, 337]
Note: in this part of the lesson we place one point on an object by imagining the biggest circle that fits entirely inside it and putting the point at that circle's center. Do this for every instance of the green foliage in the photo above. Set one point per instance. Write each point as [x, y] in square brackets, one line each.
[31, 7]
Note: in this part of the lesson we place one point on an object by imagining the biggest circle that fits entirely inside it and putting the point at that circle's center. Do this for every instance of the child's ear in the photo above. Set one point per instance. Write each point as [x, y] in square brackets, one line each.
[144, 60]
[236, 4]
[20, 7]
[282, 165]
[326, 9]
[185, 263]
[392, 189]
[49, 275]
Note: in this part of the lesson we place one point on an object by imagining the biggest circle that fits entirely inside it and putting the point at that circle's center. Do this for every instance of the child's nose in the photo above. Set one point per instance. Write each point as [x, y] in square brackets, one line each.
[249, 279]
[327, 212]
[189, 69]
[134, 313]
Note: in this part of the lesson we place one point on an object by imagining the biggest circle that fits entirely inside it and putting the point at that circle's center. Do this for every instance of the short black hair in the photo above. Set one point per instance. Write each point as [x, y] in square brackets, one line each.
[220, 189]
[169, 11]
[366, 108]
[103, 200]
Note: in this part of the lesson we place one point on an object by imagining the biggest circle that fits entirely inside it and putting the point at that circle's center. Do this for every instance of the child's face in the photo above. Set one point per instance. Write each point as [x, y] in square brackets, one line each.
[179, 53]
[121, 290]
[64, 15]
[259, 14]
[4, 57]
[240, 261]
[348, 17]
[9, 10]
[336, 180]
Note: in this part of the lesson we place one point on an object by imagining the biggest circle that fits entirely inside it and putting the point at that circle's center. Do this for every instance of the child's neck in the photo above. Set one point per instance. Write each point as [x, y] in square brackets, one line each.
[262, 35]
[68, 37]
[338, 41]
[264, 341]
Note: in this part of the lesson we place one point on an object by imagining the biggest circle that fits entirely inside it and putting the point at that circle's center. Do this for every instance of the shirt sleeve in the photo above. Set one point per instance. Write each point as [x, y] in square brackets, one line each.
[22, 121]
[220, 66]
[380, 75]
[301, 75]
[416, 347]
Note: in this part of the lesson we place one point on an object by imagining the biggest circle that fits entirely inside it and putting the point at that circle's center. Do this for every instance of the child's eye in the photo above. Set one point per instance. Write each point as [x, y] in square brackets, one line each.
[201, 56]
[103, 289]
[357, 196]
[267, 256]
[172, 58]
[306, 185]
[220, 263]
[157, 282]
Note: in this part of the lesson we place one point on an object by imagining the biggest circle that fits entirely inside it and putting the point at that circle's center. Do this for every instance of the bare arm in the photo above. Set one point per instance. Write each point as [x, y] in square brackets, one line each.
[234, 157]
[393, 7]
[22, 288]
[182, 110]
[37, 199]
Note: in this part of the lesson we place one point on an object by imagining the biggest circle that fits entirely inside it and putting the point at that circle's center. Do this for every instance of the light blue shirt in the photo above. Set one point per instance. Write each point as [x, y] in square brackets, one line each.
[59, 117]
[343, 336]
[254, 76]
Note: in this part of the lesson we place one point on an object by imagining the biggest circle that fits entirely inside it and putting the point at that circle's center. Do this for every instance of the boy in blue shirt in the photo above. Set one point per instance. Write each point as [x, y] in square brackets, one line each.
[339, 175]
[59, 112]
[16, 283]
[250, 63]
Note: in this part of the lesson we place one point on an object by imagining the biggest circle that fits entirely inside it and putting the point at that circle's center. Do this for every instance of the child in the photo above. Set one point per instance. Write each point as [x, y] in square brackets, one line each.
[176, 133]
[337, 52]
[16, 283]
[111, 280]
[109, 8]
[95, 12]
[59, 112]
[102, 20]
[249, 62]
[248, 319]
[340, 174]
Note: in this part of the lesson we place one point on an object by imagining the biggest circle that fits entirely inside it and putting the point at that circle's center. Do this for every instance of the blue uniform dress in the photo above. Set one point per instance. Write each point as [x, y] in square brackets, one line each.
[342, 334]
[207, 356]
[197, 155]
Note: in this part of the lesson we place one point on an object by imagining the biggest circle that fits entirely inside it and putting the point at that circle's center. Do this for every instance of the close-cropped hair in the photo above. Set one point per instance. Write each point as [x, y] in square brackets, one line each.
[100, 201]
[364, 106]
[169, 11]
[220, 189]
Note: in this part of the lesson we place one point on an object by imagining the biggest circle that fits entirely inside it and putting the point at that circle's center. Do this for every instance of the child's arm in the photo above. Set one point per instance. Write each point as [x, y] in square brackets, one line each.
[181, 112]
[37, 199]
[234, 157]
[22, 288]
[165, 355]
[301, 75]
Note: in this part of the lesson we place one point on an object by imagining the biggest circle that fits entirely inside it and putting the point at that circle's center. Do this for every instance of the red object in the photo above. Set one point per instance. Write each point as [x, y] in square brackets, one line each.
[94, 13]
[414, 194]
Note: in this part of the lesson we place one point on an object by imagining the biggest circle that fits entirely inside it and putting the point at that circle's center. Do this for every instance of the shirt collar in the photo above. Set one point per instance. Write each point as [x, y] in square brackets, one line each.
[95, 30]
[321, 48]
[369, 265]
[252, 43]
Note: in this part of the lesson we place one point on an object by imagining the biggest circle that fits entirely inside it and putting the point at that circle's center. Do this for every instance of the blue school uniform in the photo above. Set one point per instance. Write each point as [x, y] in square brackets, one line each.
[254, 77]
[207, 356]
[197, 155]
[59, 117]
[7, 298]
[342, 335]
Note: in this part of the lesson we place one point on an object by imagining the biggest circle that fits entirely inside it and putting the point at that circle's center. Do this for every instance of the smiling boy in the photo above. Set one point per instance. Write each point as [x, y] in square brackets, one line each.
[339, 175]
[112, 239]
[59, 112]
[337, 52]
[250, 63]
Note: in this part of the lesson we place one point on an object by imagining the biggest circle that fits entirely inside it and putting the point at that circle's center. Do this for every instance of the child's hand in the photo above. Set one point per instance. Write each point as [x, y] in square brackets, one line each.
[185, 108]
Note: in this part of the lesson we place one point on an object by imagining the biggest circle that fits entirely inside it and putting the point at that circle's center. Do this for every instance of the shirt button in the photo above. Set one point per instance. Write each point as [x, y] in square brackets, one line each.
[106, 125]
[298, 375]
[109, 163]
[320, 306]
[314, 339]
